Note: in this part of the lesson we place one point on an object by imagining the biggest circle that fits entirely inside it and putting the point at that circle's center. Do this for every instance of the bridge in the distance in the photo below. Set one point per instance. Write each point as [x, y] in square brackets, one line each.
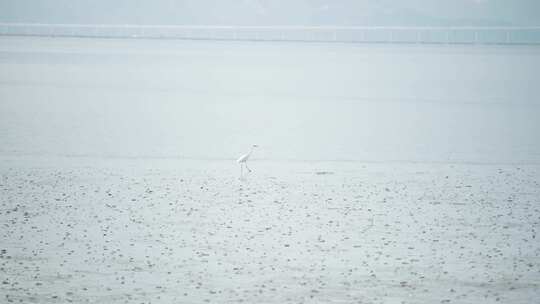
[351, 34]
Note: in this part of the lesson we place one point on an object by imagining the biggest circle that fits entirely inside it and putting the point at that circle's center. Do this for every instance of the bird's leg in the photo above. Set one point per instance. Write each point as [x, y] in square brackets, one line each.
[247, 167]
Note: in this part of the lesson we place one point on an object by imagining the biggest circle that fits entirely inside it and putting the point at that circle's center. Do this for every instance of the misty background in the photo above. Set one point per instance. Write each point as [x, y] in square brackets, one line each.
[277, 12]
[298, 101]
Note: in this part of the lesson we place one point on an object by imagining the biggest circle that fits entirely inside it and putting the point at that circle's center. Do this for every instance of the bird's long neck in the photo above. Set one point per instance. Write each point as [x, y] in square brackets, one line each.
[250, 151]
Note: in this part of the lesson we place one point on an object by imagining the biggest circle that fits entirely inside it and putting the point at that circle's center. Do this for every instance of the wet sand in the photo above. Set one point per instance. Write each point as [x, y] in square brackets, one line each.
[88, 230]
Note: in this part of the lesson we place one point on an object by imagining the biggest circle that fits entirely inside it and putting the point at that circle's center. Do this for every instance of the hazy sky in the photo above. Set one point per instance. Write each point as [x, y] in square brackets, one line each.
[275, 12]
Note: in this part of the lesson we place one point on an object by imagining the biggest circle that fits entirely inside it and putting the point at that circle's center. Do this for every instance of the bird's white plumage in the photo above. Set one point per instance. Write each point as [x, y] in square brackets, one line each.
[243, 158]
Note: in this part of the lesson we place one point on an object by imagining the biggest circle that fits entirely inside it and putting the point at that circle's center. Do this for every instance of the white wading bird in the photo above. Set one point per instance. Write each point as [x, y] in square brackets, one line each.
[242, 160]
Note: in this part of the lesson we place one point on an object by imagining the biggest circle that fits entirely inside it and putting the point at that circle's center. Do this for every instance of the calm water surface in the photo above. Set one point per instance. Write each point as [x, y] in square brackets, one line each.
[154, 98]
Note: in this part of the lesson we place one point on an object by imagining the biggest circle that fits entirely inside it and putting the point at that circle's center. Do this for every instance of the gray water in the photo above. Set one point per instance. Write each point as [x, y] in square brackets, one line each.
[298, 101]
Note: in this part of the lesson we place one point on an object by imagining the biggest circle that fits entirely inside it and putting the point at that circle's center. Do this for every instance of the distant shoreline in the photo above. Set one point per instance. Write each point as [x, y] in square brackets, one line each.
[283, 41]
[465, 35]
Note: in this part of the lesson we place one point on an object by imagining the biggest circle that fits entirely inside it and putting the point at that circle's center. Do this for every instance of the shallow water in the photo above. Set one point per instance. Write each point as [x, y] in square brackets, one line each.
[212, 100]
